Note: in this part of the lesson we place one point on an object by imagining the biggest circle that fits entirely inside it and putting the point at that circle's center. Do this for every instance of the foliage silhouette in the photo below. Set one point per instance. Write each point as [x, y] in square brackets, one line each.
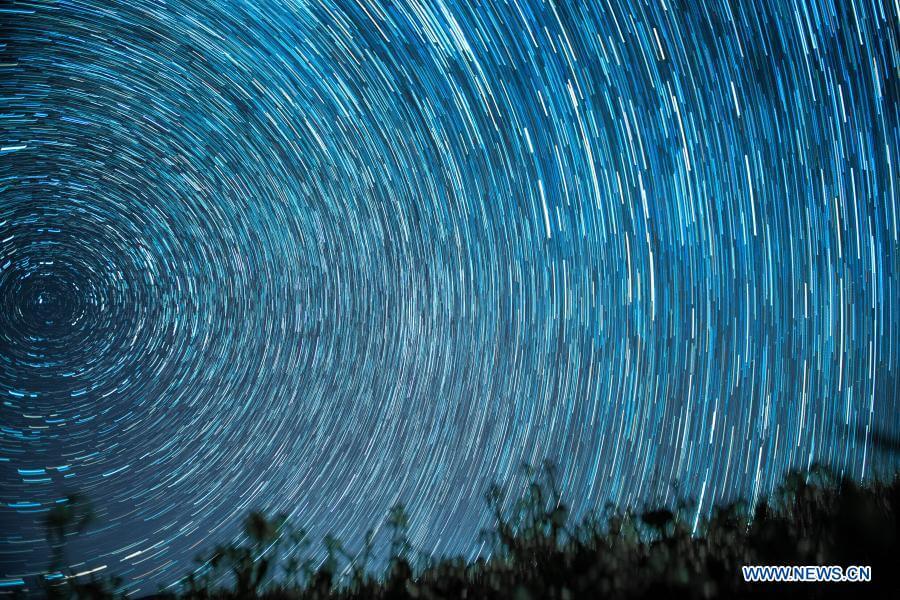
[813, 518]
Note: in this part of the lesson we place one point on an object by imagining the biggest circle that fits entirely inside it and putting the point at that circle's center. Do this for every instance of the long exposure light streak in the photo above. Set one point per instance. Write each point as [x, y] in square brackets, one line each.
[322, 257]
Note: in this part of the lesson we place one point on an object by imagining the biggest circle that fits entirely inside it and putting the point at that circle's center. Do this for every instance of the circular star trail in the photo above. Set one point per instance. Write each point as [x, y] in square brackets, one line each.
[323, 257]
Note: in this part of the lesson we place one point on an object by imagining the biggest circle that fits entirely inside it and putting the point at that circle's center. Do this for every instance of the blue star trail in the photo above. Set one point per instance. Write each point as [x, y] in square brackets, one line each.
[323, 257]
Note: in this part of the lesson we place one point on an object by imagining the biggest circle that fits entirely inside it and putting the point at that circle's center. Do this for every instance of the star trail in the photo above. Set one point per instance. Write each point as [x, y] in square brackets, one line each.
[322, 257]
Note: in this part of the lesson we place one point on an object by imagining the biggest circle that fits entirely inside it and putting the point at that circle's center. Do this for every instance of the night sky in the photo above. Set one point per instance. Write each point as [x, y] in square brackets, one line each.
[323, 257]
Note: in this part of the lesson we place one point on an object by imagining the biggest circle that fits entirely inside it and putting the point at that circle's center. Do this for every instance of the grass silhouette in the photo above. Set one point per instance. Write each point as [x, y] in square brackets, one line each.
[813, 518]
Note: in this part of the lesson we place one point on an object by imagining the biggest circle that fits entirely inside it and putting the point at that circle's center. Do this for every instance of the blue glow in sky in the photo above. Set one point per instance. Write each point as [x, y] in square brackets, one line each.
[323, 257]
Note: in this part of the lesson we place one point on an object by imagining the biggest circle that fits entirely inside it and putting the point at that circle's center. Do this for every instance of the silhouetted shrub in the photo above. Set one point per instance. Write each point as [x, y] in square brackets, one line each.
[813, 518]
